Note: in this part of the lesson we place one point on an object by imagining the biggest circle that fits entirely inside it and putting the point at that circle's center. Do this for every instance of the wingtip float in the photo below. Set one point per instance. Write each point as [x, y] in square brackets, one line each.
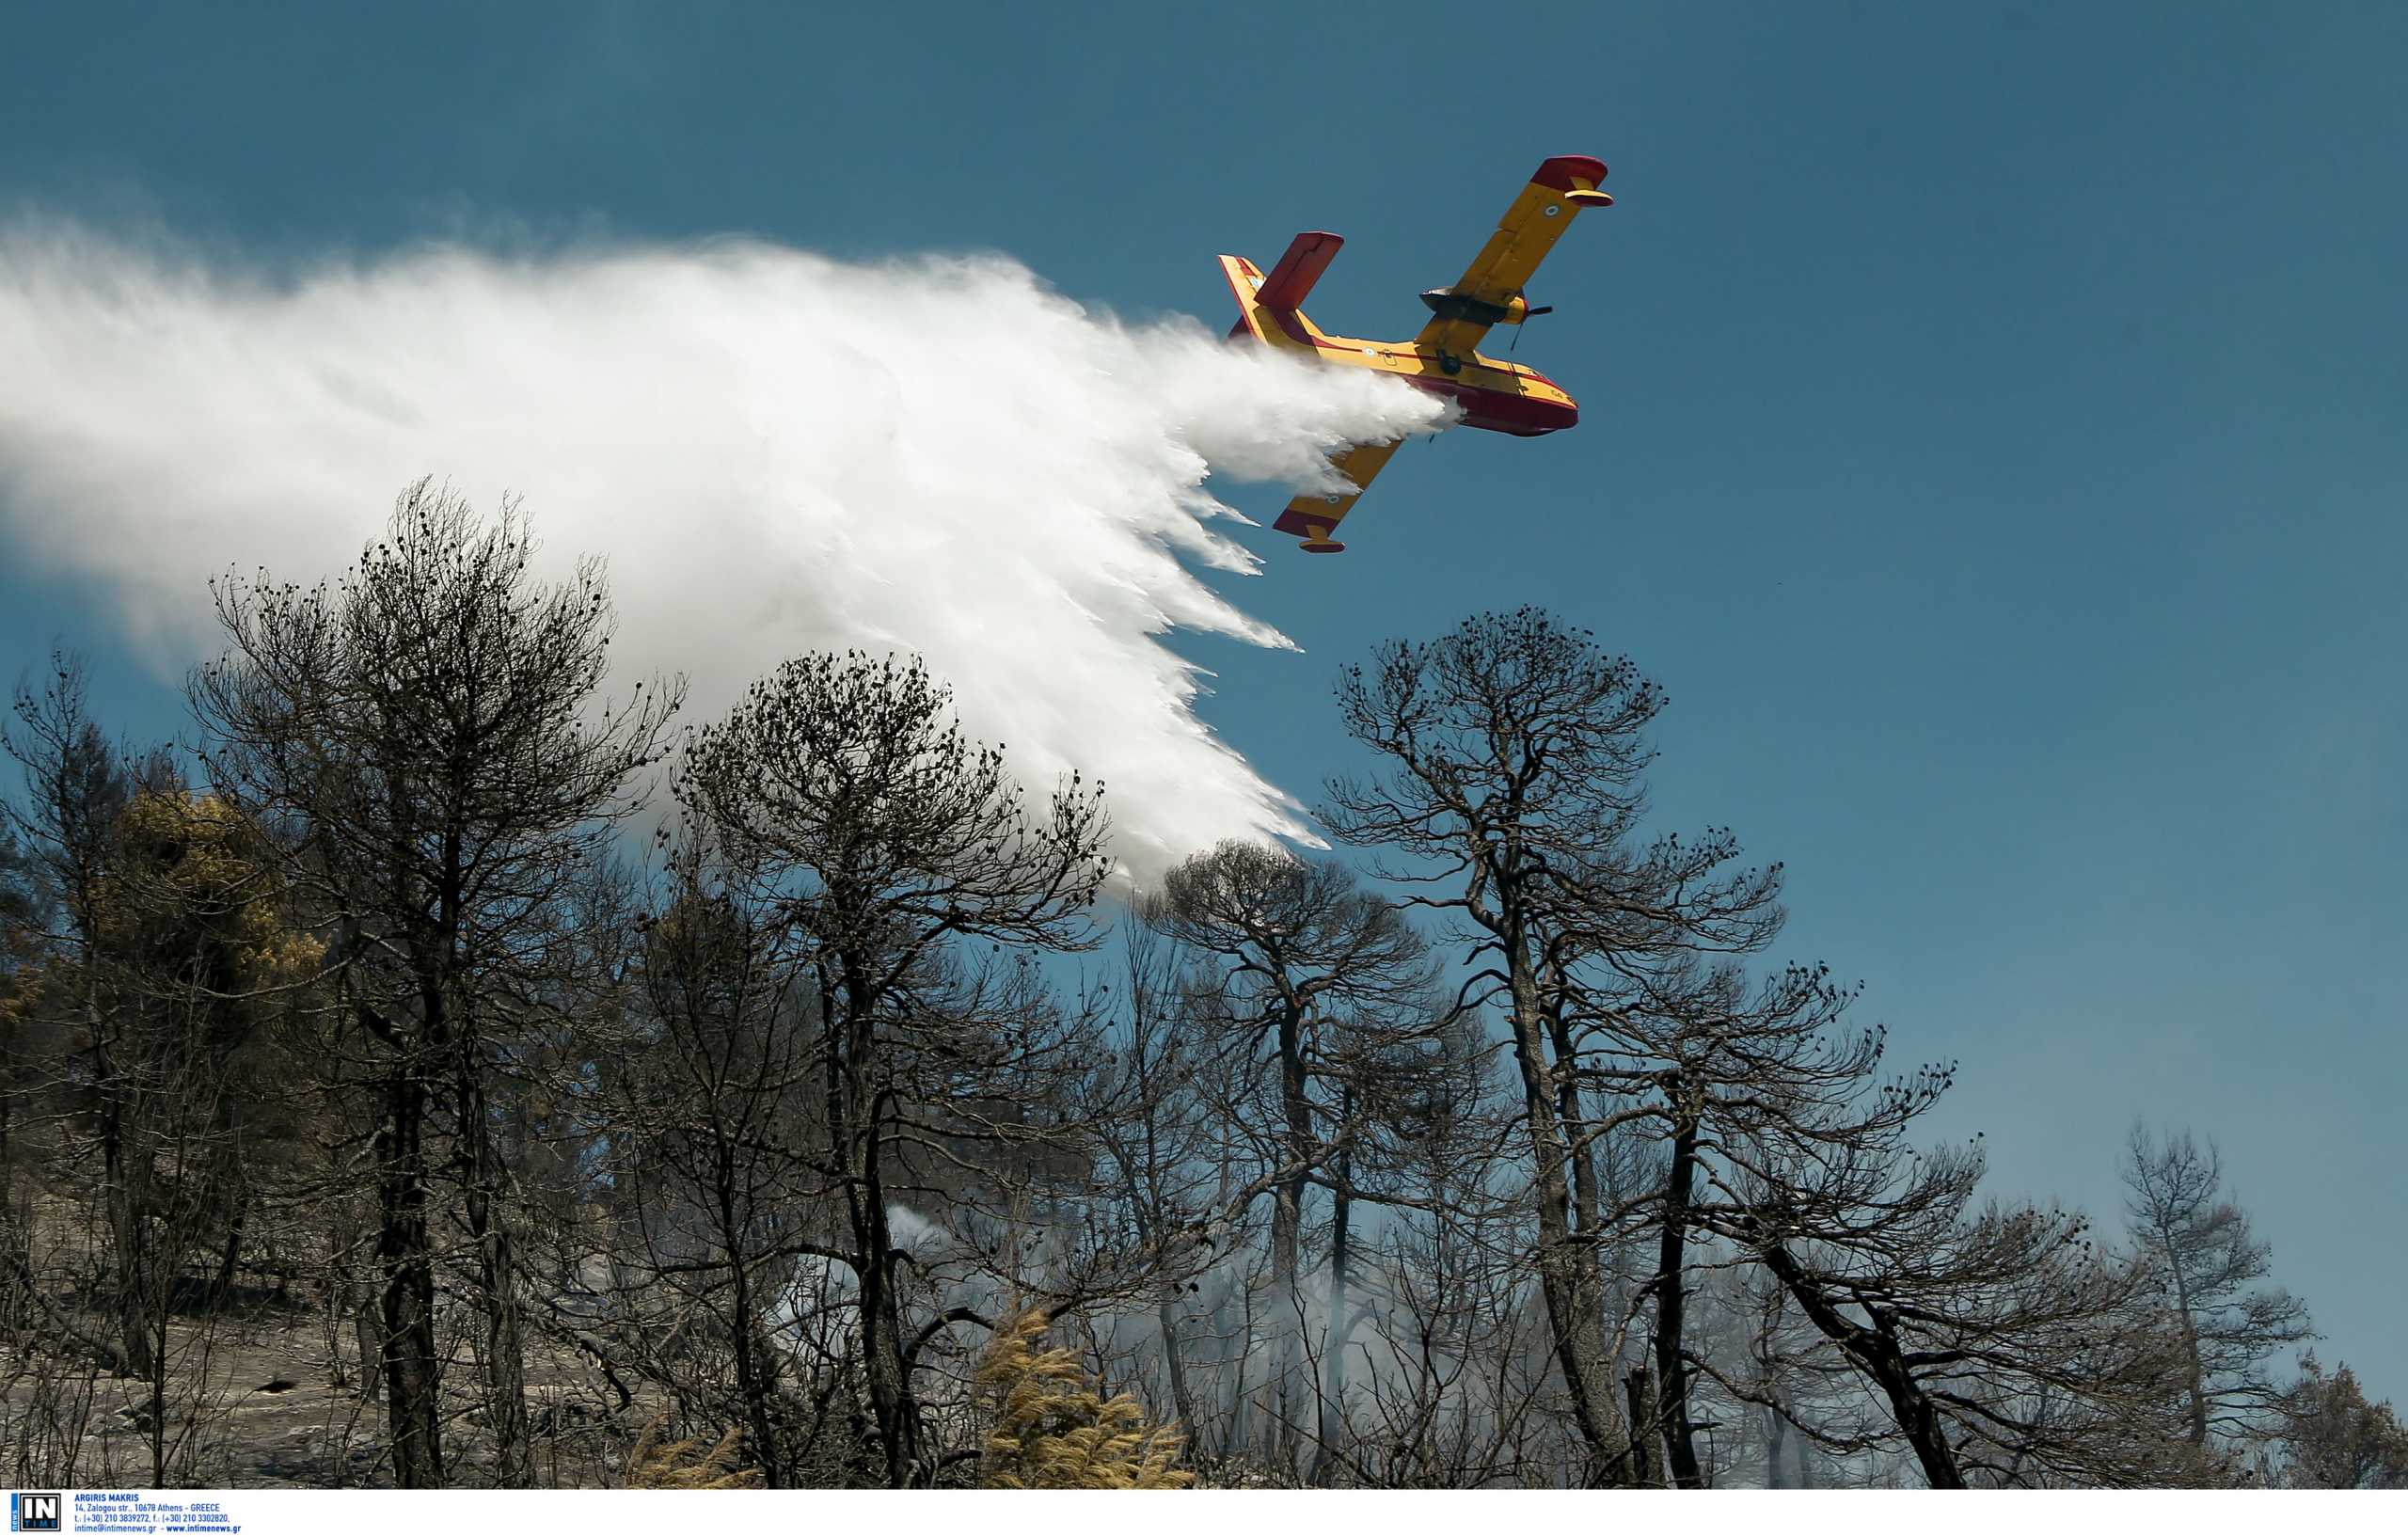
[1493, 395]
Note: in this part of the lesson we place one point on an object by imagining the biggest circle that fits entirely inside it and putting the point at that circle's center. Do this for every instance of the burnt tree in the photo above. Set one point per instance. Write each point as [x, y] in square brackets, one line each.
[428, 735]
[878, 837]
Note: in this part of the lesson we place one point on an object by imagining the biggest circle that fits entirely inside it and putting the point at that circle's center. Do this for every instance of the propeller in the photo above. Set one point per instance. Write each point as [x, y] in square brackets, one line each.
[1527, 315]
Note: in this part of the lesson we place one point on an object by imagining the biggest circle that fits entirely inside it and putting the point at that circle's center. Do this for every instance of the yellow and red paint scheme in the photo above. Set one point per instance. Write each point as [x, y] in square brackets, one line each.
[1494, 395]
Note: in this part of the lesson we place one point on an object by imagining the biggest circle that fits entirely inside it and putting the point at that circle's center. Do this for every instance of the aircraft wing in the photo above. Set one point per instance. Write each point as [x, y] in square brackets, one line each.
[1558, 191]
[1313, 517]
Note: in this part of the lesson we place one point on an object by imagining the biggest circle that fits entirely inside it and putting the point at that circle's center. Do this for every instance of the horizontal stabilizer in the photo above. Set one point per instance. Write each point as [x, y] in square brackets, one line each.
[1294, 274]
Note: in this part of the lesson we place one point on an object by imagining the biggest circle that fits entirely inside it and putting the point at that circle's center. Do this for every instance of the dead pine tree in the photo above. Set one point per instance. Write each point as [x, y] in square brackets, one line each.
[428, 732]
[2007, 1346]
[713, 1104]
[77, 786]
[2331, 1435]
[192, 928]
[1708, 1068]
[881, 838]
[1152, 1146]
[1299, 970]
[2198, 1242]
[162, 957]
[1508, 781]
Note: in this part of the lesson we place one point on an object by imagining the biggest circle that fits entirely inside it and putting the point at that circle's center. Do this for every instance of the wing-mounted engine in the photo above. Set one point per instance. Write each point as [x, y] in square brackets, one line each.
[1447, 304]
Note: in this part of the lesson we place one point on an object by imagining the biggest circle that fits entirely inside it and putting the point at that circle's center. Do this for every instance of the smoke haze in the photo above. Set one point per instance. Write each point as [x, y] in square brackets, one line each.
[775, 451]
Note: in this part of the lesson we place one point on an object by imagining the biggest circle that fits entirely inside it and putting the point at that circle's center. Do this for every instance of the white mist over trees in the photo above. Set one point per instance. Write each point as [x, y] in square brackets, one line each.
[935, 456]
[833, 1124]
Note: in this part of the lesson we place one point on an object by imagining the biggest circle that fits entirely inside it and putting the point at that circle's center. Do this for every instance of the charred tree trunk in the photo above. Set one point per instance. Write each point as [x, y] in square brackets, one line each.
[1877, 1353]
[1570, 1278]
[505, 1363]
[412, 1370]
[755, 1378]
[884, 1365]
[124, 1189]
[1671, 1261]
[1287, 1240]
[1173, 1363]
[856, 1112]
[1333, 1389]
[1641, 1392]
[362, 1304]
[2195, 1369]
[229, 1260]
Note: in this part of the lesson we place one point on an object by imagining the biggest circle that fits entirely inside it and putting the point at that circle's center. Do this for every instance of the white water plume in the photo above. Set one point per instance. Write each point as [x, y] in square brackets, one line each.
[774, 451]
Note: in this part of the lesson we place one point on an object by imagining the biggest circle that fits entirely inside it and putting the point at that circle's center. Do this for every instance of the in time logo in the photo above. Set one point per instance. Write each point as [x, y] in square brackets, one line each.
[34, 1513]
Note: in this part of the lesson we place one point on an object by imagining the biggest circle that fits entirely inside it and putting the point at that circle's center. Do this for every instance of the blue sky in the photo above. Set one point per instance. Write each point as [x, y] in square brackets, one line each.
[1991, 433]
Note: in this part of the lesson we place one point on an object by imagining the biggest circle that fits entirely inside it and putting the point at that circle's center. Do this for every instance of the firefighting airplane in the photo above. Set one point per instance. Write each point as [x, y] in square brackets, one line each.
[1501, 397]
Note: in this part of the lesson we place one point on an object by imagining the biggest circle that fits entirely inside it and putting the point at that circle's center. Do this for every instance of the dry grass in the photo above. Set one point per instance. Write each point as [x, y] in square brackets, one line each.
[1052, 1429]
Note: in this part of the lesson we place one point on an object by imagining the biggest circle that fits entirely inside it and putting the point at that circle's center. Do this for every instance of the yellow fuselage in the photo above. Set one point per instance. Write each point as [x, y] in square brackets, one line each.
[1495, 395]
